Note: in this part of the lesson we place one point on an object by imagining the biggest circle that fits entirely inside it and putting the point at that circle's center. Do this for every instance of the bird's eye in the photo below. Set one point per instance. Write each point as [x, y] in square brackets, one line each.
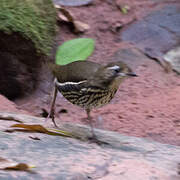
[117, 70]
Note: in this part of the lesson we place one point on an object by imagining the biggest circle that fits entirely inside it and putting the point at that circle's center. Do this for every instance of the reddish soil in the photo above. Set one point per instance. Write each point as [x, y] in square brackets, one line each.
[146, 106]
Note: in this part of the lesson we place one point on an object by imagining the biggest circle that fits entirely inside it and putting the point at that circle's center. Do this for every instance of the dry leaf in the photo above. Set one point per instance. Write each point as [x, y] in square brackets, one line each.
[36, 128]
[80, 26]
[9, 118]
[39, 128]
[11, 165]
[67, 16]
[62, 17]
[18, 167]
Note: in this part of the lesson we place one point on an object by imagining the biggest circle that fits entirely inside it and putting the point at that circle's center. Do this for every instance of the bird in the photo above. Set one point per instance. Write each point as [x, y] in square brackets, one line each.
[88, 84]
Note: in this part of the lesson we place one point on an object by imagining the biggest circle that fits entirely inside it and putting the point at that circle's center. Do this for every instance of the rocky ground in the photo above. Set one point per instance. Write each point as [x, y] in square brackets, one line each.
[56, 157]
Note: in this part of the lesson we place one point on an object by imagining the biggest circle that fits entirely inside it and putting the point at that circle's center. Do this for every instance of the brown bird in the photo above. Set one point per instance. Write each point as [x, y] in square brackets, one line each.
[88, 84]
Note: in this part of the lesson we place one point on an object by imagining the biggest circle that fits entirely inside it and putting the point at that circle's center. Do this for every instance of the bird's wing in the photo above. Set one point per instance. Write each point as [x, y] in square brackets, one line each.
[75, 72]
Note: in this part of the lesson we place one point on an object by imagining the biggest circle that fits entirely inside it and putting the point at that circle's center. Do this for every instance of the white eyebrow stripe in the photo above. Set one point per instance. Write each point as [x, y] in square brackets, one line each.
[114, 67]
[69, 83]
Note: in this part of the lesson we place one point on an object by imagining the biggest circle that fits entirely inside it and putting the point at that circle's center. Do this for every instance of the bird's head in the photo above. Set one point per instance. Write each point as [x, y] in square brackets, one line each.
[114, 71]
[118, 69]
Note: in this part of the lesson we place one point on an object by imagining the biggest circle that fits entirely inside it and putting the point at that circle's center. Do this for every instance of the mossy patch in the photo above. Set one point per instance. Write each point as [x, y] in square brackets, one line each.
[33, 19]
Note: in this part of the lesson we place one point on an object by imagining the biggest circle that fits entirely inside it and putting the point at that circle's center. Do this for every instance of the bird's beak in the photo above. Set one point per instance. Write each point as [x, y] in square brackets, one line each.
[127, 74]
[131, 74]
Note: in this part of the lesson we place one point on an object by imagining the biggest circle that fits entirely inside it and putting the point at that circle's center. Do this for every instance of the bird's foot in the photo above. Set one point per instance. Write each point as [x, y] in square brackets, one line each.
[51, 116]
[54, 122]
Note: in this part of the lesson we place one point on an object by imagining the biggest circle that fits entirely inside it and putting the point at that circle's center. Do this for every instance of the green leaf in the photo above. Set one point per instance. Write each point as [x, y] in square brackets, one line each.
[73, 50]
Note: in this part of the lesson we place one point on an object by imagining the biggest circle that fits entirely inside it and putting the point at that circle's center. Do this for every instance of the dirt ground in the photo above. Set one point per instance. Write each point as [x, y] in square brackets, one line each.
[146, 106]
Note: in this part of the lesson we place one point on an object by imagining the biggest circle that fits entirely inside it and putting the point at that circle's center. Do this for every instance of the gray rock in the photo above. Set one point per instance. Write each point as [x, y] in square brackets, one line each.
[159, 1]
[56, 157]
[168, 18]
[156, 33]
[164, 1]
[131, 56]
[72, 2]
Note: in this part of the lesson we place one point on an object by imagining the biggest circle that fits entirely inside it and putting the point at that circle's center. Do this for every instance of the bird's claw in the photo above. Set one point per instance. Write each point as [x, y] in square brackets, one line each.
[51, 115]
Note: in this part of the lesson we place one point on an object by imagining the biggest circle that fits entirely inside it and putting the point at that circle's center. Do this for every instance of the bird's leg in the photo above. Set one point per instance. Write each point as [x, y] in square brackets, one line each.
[94, 137]
[52, 109]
